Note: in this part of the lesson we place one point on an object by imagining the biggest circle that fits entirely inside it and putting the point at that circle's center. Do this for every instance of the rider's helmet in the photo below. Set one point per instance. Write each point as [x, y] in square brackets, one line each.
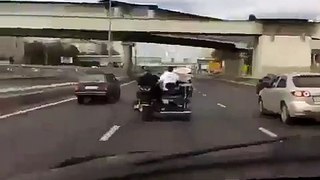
[170, 69]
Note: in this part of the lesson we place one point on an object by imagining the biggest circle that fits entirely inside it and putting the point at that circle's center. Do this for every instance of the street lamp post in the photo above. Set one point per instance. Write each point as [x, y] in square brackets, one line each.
[109, 31]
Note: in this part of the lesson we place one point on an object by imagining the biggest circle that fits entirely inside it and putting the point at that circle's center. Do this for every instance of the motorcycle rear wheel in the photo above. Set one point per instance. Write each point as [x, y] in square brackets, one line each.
[146, 114]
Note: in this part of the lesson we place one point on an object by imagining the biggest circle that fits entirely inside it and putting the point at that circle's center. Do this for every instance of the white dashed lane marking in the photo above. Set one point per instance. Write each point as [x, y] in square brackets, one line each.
[268, 132]
[109, 133]
[221, 105]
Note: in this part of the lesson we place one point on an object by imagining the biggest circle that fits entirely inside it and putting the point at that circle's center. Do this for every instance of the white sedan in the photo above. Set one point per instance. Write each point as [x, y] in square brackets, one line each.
[292, 95]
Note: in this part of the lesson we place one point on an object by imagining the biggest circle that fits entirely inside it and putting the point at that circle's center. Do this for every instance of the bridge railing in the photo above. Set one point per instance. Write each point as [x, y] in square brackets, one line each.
[106, 17]
[92, 23]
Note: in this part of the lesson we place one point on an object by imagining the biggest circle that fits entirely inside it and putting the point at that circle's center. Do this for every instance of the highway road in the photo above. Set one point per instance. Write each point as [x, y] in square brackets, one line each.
[223, 114]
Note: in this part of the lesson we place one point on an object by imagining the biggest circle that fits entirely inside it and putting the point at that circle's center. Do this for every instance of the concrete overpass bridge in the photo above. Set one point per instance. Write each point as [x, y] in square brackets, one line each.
[279, 45]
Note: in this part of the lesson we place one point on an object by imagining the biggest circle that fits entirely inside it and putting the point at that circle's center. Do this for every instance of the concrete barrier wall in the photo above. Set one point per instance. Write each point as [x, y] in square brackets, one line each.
[32, 71]
[11, 103]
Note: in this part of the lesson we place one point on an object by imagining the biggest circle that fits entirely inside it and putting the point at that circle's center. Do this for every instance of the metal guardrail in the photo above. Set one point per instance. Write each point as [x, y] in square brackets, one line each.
[13, 102]
[22, 78]
[22, 90]
[32, 71]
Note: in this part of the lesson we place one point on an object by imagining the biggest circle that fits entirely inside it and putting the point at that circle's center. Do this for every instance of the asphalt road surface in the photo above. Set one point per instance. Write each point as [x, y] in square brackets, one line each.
[223, 113]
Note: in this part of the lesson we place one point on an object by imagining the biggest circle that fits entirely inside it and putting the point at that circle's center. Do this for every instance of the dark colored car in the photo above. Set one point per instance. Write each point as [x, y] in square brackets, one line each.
[98, 85]
[266, 81]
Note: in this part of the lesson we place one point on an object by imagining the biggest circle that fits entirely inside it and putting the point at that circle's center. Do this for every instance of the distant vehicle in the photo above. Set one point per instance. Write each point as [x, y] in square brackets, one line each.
[98, 85]
[215, 67]
[292, 95]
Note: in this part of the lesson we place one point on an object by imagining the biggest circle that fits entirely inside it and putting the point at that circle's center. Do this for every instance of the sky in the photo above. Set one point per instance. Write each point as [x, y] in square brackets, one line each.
[237, 9]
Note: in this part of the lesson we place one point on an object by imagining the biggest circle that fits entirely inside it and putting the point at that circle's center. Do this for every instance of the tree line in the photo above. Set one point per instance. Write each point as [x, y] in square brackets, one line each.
[49, 54]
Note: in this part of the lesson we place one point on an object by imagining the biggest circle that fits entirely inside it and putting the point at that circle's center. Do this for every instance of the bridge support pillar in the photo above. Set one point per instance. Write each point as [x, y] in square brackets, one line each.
[281, 54]
[233, 67]
[127, 57]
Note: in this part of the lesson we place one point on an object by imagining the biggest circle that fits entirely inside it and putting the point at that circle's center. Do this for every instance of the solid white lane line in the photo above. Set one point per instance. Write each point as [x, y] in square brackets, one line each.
[36, 108]
[204, 95]
[267, 132]
[109, 133]
[46, 105]
[221, 105]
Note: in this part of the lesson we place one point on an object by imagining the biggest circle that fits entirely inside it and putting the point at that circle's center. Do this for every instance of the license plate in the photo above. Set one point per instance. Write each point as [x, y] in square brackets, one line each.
[316, 99]
[165, 101]
[91, 87]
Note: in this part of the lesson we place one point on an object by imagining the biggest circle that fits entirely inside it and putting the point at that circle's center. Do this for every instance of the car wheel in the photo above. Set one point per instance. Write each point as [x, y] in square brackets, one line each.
[262, 110]
[80, 100]
[285, 116]
[105, 99]
[187, 117]
[118, 95]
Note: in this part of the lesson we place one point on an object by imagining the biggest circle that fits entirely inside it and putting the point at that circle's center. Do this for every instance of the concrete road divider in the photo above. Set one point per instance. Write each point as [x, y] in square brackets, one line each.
[10, 102]
[21, 71]
[41, 87]
[36, 87]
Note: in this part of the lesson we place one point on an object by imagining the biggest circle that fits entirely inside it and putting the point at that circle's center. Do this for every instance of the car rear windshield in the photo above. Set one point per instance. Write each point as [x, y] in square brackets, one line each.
[93, 78]
[306, 81]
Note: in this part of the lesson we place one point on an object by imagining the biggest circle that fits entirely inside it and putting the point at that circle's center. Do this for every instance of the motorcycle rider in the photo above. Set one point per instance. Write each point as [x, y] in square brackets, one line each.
[149, 80]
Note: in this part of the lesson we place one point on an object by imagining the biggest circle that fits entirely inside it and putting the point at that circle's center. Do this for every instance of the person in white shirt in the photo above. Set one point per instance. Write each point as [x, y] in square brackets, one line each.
[168, 77]
[184, 74]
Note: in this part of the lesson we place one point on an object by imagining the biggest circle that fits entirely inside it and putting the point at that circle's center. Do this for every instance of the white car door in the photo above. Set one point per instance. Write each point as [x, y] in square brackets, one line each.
[267, 95]
[277, 95]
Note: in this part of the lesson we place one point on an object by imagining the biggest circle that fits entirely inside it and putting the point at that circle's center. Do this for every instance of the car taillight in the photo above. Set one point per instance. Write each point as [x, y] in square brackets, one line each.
[76, 88]
[301, 93]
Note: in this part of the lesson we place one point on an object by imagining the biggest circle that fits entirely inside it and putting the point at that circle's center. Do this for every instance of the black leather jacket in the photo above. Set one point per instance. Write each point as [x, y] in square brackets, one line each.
[148, 80]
